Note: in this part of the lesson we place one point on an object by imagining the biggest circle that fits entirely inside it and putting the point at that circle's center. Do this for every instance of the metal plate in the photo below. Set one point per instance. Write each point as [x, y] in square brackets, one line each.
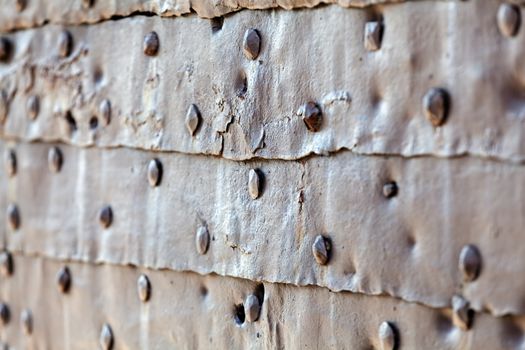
[371, 101]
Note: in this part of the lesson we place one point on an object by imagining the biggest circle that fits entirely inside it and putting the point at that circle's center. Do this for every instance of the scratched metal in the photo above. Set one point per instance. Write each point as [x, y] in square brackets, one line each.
[372, 102]
[189, 311]
[407, 246]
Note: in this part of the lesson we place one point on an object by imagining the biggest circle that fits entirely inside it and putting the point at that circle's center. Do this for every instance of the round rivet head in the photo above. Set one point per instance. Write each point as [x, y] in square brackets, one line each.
[373, 35]
[106, 337]
[4, 314]
[26, 320]
[54, 159]
[10, 163]
[254, 183]
[105, 216]
[435, 105]
[321, 250]
[33, 107]
[65, 44]
[252, 308]
[4, 106]
[251, 44]
[151, 44]
[387, 336]
[312, 116]
[6, 263]
[13, 216]
[202, 240]
[509, 19]
[462, 315]
[470, 262]
[154, 172]
[64, 279]
[193, 118]
[390, 189]
[5, 49]
[104, 110]
[143, 288]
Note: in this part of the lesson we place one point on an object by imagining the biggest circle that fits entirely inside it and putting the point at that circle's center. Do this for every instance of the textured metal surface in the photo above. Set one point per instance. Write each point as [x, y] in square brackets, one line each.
[189, 311]
[372, 102]
[203, 218]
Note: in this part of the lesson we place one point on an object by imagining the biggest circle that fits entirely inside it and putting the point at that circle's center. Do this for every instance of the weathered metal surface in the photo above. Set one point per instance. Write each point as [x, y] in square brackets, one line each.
[189, 311]
[372, 102]
[202, 217]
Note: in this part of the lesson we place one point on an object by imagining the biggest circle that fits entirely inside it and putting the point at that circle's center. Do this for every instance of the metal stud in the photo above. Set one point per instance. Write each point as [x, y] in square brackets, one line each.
[6, 263]
[254, 183]
[436, 105]
[387, 336]
[151, 44]
[202, 240]
[64, 279]
[143, 288]
[321, 249]
[13, 216]
[54, 159]
[4, 314]
[462, 315]
[373, 35]
[65, 44]
[10, 163]
[104, 110]
[252, 308]
[5, 49]
[193, 118]
[390, 189]
[26, 320]
[154, 172]
[105, 216]
[312, 116]
[470, 262]
[251, 44]
[509, 19]
[33, 107]
[106, 337]
[4, 106]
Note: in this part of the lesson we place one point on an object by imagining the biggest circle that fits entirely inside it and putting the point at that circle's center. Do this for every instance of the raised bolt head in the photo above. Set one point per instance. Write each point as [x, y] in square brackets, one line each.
[387, 336]
[436, 105]
[154, 172]
[390, 189]
[509, 19]
[251, 44]
[373, 35]
[470, 262]
[4, 314]
[26, 320]
[202, 240]
[65, 44]
[106, 337]
[104, 110]
[312, 116]
[6, 263]
[143, 288]
[105, 216]
[13, 216]
[64, 279]
[252, 308]
[151, 44]
[254, 183]
[5, 49]
[193, 118]
[462, 315]
[10, 163]
[54, 159]
[321, 250]
[33, 107]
